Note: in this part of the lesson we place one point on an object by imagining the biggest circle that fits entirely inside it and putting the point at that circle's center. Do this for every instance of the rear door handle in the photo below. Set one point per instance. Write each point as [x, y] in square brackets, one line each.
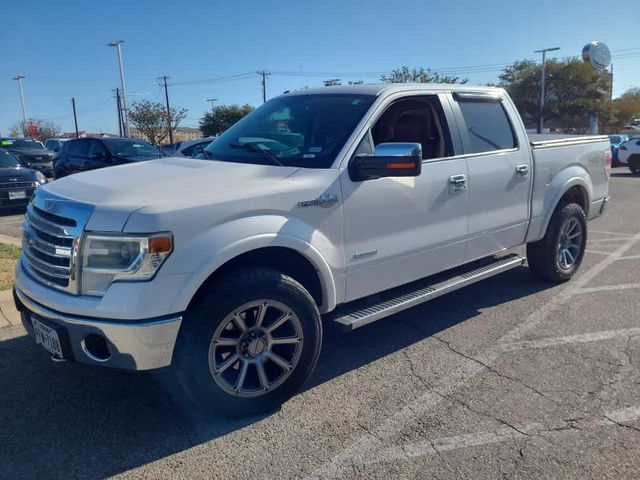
[457, 183]
[522, 170]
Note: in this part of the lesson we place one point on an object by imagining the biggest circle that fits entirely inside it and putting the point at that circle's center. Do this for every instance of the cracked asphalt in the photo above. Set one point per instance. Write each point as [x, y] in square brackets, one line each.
[509, 378]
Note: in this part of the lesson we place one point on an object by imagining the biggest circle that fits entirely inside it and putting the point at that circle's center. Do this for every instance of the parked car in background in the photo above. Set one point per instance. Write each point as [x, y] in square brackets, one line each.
[616, 141]
[30, 154]
[54, 144]
[629, 154]
[17, 183]
[82, 154]
[192, 148]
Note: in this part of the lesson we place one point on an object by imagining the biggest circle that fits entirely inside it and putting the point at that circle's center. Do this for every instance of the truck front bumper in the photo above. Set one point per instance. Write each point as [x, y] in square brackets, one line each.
[126, 345]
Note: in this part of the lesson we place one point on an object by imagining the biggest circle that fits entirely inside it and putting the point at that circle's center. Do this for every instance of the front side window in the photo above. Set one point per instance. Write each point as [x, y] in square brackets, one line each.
[487, 125]
[415, 120]
[293, 130]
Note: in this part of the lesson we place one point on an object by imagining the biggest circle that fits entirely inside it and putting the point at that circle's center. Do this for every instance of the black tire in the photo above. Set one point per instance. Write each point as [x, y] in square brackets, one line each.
[544, 256]
[203, 320]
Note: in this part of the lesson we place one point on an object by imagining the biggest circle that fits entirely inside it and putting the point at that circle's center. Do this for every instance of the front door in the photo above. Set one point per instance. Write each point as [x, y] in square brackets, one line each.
[401, 229]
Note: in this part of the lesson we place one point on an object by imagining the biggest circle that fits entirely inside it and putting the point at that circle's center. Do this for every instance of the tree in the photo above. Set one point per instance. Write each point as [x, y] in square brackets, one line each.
[419, 75]
[150, 119]
[625, 109]
[222, 117]
[46, 129]
[574, 92]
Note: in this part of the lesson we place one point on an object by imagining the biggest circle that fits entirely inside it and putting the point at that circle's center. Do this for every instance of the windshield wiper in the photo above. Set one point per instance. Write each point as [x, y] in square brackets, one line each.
[252, 147]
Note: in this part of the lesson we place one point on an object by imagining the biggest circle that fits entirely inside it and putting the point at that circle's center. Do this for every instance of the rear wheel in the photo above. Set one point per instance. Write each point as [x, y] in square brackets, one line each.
[249, 344]
[558, 255]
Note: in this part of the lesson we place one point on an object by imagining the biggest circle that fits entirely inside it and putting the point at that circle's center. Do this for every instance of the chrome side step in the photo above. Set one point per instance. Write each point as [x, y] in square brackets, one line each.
[390, 306]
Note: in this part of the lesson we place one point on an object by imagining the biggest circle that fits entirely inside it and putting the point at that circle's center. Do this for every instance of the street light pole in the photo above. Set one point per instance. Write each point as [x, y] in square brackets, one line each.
[166, 96]
[212, 100]
[125, 110]
[542, 84]
[75, 117]
[24, 112]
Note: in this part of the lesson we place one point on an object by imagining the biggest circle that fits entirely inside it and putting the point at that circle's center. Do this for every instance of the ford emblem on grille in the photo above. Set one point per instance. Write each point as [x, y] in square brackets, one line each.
[13, 179]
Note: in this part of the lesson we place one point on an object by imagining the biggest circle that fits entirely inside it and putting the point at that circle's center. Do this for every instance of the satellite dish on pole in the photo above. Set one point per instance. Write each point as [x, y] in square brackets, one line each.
[597, 54]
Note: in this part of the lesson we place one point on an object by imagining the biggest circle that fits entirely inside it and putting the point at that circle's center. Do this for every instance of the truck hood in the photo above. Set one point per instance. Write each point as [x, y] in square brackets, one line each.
[167, 184]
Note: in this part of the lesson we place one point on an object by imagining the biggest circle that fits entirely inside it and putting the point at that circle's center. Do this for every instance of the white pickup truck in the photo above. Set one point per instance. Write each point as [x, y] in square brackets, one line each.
[339, 204]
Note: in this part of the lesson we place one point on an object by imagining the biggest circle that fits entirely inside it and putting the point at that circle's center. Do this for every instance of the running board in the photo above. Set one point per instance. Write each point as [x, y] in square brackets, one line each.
[359, 317]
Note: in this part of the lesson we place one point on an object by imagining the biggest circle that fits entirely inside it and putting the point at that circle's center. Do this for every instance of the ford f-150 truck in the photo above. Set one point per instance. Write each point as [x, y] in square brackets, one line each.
[343, 204]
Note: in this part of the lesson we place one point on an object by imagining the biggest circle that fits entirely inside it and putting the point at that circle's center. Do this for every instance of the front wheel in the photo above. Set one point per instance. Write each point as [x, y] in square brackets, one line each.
[249, 344]
[558, 255]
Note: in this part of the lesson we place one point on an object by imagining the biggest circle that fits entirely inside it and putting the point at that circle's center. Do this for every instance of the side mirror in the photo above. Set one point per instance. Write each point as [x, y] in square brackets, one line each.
[388, 160]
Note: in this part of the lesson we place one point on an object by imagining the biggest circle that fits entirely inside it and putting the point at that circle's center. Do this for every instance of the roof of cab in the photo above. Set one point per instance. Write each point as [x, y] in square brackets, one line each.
[377, 89]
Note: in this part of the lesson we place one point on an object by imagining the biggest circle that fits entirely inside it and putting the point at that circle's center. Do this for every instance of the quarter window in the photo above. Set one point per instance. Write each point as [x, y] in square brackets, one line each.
[488, 126]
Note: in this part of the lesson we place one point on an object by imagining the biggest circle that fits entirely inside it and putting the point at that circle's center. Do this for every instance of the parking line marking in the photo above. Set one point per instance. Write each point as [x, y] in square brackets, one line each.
[629, 235]
[502, 434]
[596, 252]
[606, 288]
[571, 339]
[459, 376]
[630, 257]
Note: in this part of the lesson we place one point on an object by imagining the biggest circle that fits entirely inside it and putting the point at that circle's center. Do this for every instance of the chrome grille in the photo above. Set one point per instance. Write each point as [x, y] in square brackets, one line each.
[52, 231]
[18, 185]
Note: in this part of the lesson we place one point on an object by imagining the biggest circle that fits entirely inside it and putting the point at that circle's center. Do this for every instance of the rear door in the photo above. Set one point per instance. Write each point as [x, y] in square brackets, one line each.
[97, 155]
[500, 172]
[78, 155]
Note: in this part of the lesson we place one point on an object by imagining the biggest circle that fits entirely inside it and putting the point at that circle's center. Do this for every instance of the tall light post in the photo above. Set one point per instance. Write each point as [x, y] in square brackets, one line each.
[125, 109]
[542, 84]
[19, 78]
[212, 100]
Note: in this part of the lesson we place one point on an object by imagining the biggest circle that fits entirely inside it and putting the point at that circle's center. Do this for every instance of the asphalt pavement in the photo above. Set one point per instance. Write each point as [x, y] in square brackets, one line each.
[508, 378]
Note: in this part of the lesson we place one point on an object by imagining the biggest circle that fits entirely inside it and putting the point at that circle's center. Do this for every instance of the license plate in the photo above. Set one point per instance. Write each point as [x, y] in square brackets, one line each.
[47, 337]
[19, 195]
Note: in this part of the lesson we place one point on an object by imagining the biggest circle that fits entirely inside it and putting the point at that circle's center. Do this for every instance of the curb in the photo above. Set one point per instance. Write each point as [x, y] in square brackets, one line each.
[8, 313]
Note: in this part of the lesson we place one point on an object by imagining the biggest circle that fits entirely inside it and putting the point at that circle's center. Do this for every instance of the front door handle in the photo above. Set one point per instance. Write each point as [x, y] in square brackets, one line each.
[457, 183]
[522, 170]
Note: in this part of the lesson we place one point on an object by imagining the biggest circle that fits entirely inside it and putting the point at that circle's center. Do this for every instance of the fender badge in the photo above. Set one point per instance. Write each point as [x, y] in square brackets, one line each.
[326, 200]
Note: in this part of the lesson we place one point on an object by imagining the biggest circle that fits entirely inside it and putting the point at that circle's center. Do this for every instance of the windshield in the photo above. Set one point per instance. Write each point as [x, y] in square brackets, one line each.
[298, 130]
[131, 148]
[19, 143]
[7, 160]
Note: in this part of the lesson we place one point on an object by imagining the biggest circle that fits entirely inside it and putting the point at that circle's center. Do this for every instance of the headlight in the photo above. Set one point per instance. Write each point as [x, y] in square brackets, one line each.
[40, 178]
[111, 258]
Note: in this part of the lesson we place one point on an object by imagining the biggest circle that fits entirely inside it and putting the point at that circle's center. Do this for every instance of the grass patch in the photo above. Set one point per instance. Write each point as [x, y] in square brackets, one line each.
[9, 255]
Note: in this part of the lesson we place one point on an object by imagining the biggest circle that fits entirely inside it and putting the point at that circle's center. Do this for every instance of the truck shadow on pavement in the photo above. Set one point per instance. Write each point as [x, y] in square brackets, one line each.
[71, 421]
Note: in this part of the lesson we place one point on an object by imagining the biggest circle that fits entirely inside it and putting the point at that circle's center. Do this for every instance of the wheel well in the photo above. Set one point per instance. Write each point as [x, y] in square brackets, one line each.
[576, 194]
[284, 260]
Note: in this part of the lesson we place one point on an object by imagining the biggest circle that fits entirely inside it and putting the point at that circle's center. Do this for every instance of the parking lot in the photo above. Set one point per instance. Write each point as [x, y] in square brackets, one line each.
[508, 378]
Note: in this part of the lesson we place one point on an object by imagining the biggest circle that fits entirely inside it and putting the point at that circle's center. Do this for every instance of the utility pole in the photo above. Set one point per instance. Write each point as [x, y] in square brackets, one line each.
[19, 78]
[264, 74]
[119, 107]
[611, 86]
[166, 96]
[125, 110]
[75, 117]
[542, 84]
[212, 100]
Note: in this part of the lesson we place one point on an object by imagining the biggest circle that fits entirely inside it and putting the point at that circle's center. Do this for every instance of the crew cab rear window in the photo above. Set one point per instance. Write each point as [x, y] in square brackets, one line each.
[487, 125]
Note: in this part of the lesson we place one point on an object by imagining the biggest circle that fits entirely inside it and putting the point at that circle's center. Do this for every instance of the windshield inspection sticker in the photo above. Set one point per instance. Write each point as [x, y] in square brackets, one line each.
[315, 149]
[309, 155]
[6, 142]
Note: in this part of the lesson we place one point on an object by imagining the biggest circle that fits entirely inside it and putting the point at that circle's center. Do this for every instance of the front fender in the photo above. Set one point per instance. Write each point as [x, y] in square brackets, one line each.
[208, 251]
[548, 193]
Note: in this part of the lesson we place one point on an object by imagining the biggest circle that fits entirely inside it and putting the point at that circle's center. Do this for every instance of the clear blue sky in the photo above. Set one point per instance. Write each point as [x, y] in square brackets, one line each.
[61, 47]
